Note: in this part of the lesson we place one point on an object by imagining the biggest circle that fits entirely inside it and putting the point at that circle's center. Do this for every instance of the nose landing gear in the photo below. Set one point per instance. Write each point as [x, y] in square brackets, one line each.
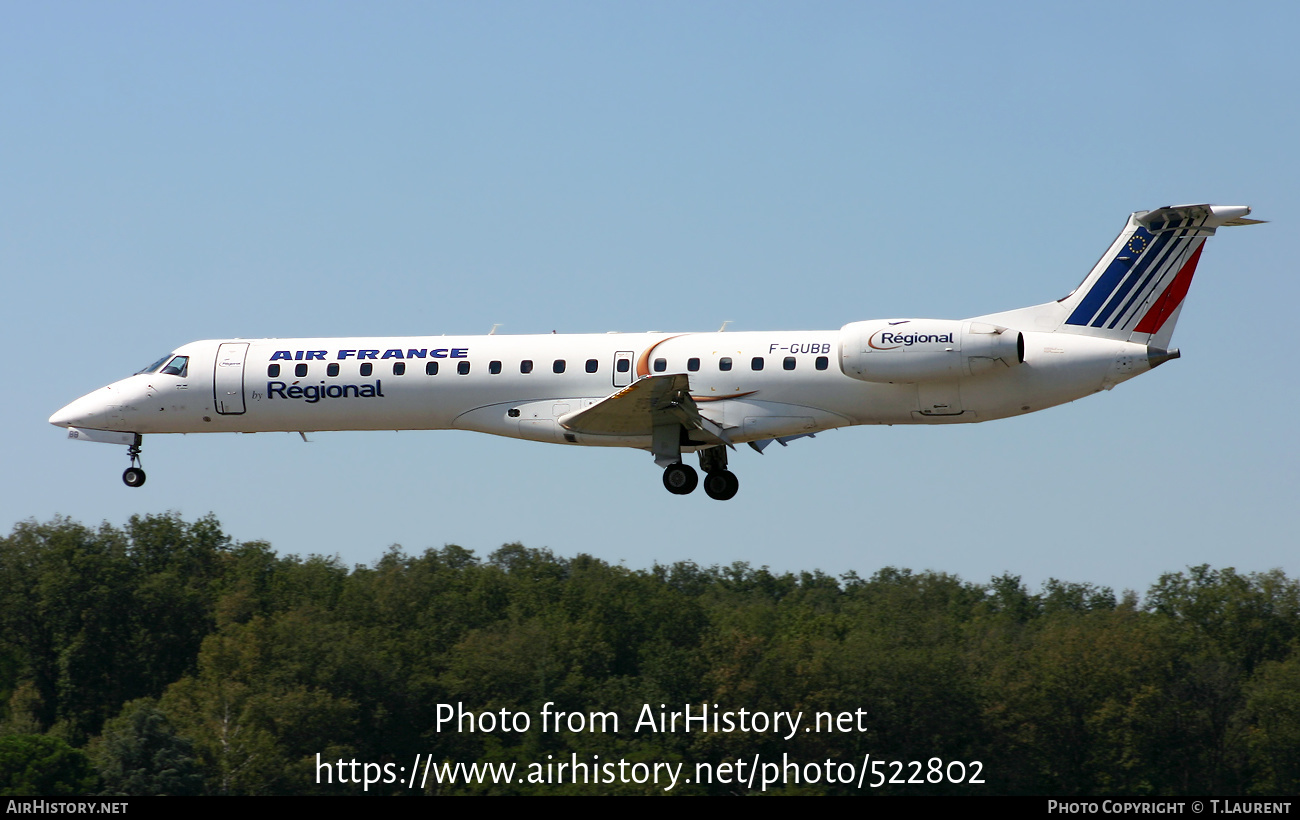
[134, 476]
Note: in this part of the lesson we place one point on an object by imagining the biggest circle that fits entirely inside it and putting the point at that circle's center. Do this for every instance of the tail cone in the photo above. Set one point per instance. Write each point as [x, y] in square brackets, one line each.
[1157, 357]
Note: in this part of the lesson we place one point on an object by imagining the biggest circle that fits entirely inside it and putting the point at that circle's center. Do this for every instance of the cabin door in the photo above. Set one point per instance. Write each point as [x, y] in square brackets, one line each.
[228, 379]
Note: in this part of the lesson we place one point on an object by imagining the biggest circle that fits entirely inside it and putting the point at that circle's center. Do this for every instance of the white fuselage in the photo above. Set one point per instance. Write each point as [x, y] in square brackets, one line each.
[777, 384]
[684, 392]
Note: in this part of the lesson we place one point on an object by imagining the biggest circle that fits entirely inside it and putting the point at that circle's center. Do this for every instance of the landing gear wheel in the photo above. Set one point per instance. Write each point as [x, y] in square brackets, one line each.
[680, 479]
[721, 485]
[134, 476]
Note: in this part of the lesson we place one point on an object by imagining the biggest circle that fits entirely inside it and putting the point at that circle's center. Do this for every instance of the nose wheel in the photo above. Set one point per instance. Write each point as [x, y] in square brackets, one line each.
[134, 475]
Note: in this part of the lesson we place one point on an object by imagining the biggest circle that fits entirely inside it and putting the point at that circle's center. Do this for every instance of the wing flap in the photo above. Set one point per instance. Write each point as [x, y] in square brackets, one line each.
[636, 409]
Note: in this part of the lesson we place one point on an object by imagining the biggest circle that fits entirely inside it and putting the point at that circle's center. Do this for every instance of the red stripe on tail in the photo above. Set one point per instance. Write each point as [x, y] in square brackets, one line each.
[1169, 301]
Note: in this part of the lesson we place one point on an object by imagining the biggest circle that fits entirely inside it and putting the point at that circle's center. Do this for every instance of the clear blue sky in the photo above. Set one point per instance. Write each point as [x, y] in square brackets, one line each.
[172, 172]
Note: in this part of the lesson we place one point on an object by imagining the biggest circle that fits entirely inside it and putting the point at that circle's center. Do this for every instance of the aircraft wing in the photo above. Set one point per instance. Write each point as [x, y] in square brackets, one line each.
[635, 410]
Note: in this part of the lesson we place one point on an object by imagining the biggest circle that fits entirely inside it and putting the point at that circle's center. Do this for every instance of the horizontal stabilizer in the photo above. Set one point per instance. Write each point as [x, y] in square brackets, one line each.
[1204, 217]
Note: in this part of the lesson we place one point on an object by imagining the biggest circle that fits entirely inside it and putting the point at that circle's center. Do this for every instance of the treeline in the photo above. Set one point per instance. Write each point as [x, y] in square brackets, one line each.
[165, 658]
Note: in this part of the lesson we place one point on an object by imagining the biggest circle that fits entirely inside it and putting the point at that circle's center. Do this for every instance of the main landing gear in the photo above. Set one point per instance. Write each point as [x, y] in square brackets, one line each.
[134, 476]
[680, 479]
[721, 485]
[719, 482]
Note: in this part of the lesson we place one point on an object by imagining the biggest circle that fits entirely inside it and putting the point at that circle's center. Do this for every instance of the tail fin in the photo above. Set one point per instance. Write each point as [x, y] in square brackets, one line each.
[1135, 292]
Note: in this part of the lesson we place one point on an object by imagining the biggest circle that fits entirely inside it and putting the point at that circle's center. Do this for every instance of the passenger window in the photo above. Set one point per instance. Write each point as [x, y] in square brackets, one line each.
[177, 367]
[591, 365]
[494, 368]
[558, 367]
[692, 365]
[661, 365]
[822, 362]
[273, 371]
[788, 364]
[332, 368]
[724, 364]
[399, 368]
[756, 363]
[430, 368]
[300, 370]
[624, 365]
[367, 368]
[463, 368]
[526, 366]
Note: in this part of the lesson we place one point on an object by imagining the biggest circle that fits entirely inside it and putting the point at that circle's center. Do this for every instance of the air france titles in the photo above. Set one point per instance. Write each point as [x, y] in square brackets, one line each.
[393, 353]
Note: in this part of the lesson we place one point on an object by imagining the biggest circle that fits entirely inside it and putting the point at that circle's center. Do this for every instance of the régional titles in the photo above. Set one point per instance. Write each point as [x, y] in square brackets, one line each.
[896, 340]
[313, 393]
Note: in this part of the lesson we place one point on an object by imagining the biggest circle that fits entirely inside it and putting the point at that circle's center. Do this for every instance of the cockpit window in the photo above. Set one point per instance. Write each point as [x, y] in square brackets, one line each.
[178, 366]
[151, 368]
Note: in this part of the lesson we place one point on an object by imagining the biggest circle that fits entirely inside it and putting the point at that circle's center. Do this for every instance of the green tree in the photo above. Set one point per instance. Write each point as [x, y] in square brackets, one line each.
[1248, 618]
[1273, 706]
[140, 753]
[40, 765]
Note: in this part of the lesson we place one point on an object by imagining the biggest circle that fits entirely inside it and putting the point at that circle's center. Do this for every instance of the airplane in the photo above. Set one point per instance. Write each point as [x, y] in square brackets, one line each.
[677, 393]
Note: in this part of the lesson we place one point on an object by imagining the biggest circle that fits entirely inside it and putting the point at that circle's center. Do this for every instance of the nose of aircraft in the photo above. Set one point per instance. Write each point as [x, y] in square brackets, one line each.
[64, 417]
[91, 411]
[75, 414]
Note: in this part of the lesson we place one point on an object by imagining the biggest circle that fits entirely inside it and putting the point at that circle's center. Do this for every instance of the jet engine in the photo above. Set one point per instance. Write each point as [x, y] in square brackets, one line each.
[922, 350]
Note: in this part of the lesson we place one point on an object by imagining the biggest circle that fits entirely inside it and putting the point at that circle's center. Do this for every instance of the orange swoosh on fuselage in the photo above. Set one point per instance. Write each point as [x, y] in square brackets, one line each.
[643, 370]
[720, 398]
[643, 363]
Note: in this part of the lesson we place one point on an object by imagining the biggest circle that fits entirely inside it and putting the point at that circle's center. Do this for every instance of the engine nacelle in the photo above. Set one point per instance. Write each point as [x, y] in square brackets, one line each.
[921, 350]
